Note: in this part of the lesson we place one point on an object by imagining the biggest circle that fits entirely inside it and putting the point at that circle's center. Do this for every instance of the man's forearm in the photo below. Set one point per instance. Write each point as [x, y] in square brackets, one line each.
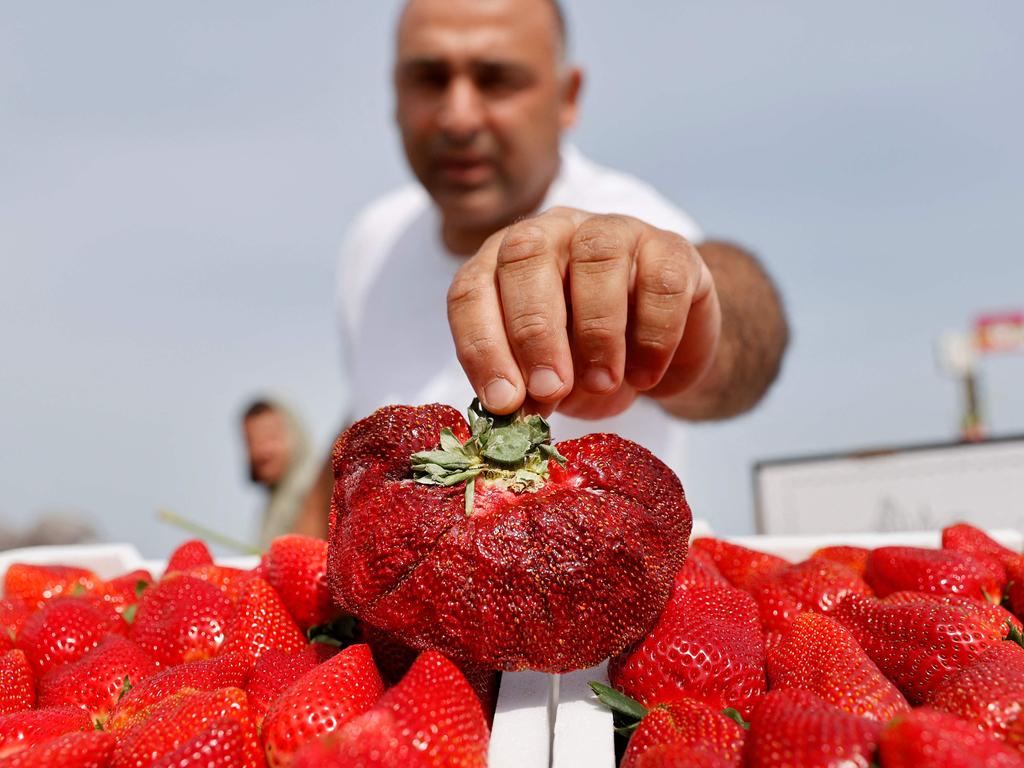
[753, 339]
[312, 520]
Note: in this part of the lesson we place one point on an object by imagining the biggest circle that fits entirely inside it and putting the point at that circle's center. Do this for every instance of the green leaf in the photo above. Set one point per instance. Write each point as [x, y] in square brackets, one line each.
[449, 442]
[734, 714]
[126, 685]
[507, 445]
[78, 590]
[618, 702]
[470, 492]
[129, 613]
[341, 632]
[1014, 634]
[550, 452]
[141, 586]
[445, 459]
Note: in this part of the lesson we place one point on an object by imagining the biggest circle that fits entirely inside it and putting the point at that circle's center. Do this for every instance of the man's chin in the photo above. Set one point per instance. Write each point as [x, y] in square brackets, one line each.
[481, 208]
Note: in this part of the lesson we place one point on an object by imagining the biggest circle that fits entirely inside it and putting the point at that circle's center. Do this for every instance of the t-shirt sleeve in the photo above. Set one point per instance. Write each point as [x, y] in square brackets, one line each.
[630, 196]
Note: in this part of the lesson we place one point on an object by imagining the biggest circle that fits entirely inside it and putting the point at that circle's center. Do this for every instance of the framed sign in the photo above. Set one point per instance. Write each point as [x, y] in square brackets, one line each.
[920, 487]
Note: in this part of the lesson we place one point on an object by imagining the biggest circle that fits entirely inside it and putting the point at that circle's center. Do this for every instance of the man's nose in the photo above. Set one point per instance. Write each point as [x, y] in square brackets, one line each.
[462, 112]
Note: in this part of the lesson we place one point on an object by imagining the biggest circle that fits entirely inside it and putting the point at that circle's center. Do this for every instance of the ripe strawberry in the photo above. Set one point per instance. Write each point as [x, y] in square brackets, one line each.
[260, 622]
[738, 564]
[20, 730]
[796, 728]
[818, 654]
[181, 619]
[994, 617]
[229, 670]
[276, 670]
[677, 755]
[189, 555]
[699, 569]
[684, 723]
[97, 680]
[916, 645]
[319, 702]
[65, 630]
[513, 583]
[79, 749]
[964, 537]
[297, 568]
[926, 738]
[17, 683]
[1015, 589]
[854, 558]
[178, 719]
[987, 692]
[221, 745]
[37, 584]
[431, 719]
[231, 581]
[122, 592]
[706, 645]
[13, 615]
[945, 571]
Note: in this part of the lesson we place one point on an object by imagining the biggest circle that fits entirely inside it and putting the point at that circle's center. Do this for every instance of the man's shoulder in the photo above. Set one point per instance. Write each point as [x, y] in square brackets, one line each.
[385, 216]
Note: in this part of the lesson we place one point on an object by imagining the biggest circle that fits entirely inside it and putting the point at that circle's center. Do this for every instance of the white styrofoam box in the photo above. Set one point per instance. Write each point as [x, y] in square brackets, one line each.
[584, 735]
[105, 560]
[523, 721]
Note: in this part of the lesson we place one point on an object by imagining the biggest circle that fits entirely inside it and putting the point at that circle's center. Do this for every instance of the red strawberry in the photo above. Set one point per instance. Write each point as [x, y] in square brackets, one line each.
[926, 738]
[229, 670]
[988, 692]
[738, 564]
[1015, 588]
[17, 683]
[97, 680]
[964, 537]
[700, 569]
[945, 571]
[994, 617]
[37, 584]
[178, 719]
[320, 702]
[181, 619]
[684, 723]
[916, 645]
[231, 581]
[297, 568]
[65, 630]
[19, 730]
[706, 645]
[189, 555]
[222, 745]
[123, 591]
[679, 755]
[260, 622]
[553, 568]
[818, 654]
[13, 615]
[431, 719]
[796, 728]
[79, 749]
[854, 558]
[276, 670]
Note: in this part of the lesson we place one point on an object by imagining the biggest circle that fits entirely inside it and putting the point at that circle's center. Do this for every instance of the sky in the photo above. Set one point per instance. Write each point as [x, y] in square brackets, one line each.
[175, 180]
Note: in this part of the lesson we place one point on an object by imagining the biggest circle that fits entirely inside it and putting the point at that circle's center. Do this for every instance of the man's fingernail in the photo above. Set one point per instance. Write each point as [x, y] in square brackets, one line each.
[499, 394]
[544, 382]
[598, 380]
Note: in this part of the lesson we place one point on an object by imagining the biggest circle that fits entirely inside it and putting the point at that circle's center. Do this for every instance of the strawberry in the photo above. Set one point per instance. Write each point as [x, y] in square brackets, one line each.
[319, 702]
[79, 749]
[964, 537]
[17, 683]
[795, 728]
[20, 730]
[706, 645]
[854, 558]
[228, 670]
[431, 719]
[946, 571]
[231, 581]
[994, 617]
[699, 568]
[13, 615]
[64, 630]
[917, 645]
[677, 755]
[926, 738]
[261, 621]
[497, 548]
[178, 719]
[739, 565]
[987, 692]
[684, 723]
[276, 670]
[297, 568]
[189, 555]
[34, 585]
[181, 619]
[97, 680]
[221, 745]
[818, 654]
[1015, 588]
[122, 592]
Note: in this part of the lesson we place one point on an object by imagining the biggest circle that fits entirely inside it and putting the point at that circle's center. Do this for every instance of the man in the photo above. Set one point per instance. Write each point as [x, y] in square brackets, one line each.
[599, 307]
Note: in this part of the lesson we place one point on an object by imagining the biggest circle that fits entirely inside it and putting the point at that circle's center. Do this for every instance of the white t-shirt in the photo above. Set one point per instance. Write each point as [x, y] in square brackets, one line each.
[393, 282]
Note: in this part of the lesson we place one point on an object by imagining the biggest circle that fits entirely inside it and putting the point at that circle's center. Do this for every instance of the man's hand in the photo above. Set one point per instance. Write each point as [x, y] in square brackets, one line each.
[583, 312]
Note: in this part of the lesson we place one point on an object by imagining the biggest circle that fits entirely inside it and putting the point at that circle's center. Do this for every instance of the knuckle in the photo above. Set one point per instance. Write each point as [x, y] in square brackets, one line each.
[474, 348]
[467, 288]
[597, 331]
[595, 244]
[523, 242]
[670, 278]
[530, 329]
[655, 345]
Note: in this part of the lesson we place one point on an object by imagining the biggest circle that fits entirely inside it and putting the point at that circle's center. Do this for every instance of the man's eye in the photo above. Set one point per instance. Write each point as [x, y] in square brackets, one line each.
[431, 79]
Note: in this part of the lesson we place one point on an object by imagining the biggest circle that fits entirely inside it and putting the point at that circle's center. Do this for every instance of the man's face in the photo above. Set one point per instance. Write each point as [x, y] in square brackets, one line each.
[482, 99]
[270, 447]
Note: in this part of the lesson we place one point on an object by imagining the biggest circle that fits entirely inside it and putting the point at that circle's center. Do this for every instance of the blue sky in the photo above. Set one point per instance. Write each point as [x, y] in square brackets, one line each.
[175, 178]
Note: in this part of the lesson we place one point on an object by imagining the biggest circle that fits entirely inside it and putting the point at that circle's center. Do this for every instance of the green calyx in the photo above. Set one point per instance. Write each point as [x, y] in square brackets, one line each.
[512, 451]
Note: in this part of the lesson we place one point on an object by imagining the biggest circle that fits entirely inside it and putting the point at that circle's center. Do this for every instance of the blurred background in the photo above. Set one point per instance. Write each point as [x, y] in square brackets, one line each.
[175, 180]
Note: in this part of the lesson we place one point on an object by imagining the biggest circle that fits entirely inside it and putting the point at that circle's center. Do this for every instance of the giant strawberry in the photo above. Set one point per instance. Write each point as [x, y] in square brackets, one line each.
[495, 547]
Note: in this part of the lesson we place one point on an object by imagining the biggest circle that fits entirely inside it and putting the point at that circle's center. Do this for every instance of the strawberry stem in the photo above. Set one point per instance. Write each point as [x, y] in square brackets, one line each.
[734, 714]
[1014, 634]
[621, 705]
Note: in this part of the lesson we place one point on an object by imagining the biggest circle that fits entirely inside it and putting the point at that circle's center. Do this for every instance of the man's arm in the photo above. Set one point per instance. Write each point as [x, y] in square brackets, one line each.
[753, 339]
[313, 517]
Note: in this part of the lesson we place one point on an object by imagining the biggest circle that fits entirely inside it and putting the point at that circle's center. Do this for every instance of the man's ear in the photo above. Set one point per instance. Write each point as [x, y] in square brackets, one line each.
[571, 86]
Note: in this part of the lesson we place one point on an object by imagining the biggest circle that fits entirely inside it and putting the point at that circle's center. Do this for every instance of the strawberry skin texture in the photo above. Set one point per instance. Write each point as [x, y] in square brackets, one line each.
[181, 619]
[684, 723]
[80, 749]
[297, 568]
[17, 683]
[122, 591]
[818, 654]
[231, 581]
[706, 645]
[13, 615]
[261, 621]
[188, 555]
[994, 617]
[222, 745]
[276, 670]
[1015, 591]
[95, 681]
[926, 738]
[681, 756]
[740, 565]
[893, 569]
[854, 558]
[35, 585]
[796, 728]
[964, 537]
[319, 702]
[64, 630]
[20, 730]
[554, 580]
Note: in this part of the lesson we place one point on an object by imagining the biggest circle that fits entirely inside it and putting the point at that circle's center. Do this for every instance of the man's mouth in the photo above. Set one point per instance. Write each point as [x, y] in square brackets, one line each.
[464, 170]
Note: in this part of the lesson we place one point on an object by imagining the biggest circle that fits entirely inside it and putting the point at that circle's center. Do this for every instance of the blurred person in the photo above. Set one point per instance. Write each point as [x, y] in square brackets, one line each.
[609, 304]
[281, 460]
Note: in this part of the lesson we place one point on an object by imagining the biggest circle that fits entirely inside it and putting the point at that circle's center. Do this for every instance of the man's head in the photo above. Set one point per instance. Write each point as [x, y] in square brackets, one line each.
[269, 441]
[483, 94]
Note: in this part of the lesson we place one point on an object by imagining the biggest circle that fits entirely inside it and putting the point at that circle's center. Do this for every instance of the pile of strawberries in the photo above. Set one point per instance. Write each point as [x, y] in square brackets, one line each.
[899, 657]
[220, 667]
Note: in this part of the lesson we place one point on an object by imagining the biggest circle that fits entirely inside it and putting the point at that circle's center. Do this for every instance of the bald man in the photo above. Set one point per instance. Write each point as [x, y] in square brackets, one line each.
[570, 289]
